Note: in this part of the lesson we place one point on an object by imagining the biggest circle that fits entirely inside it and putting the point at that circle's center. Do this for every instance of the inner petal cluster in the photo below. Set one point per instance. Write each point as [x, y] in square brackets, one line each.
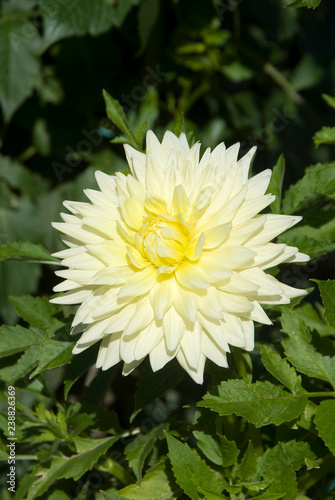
[164, 240]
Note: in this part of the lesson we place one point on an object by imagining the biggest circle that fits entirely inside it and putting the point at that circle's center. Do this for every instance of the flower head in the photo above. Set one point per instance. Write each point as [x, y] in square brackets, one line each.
[170, 261]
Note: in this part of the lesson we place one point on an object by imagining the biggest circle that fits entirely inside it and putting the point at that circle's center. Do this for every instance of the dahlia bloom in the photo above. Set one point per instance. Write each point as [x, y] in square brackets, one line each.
[170, 261]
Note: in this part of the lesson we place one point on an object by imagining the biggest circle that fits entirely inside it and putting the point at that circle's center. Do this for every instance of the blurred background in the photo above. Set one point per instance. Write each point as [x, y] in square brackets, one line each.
[230, 71]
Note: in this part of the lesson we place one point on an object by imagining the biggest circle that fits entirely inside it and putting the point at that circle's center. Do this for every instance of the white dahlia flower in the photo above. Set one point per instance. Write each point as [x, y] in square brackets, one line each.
[170, 261]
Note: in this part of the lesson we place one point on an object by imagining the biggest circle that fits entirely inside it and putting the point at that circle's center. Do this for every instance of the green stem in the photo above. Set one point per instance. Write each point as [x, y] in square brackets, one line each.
[239, 362]
[321, 394]
[27, 154]
[276, 75]
[256, 438]
[283, 83]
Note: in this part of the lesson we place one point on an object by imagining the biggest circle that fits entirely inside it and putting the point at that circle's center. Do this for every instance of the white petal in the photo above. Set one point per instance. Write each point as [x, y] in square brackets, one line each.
[216, 330]
[85, 235]
[141, 318]
[274, 225]
[191, 276]
[119, 321]
[139, 284]
[191, 346]
[252, 207]
[173, 328]
[110, 355]
[129, 367]
[258, 314]
[213, 352]
[210, 305]
[162, 295]
[159, 356]
[186, 304]
[136, 161]
[72, 297]
[147, 340]
[154, 175]
[258, 184]
[235, 303]
[216, 235]
[198, 374]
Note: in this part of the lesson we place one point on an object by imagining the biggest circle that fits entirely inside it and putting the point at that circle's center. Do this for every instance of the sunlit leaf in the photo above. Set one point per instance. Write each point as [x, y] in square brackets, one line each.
[261, 403]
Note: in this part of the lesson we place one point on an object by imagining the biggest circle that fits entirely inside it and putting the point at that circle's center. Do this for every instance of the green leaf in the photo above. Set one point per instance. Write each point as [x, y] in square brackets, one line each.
[191, 472]
[297, 453]
[306, 74]
[248, 466]
[310, 4]
[324, 136]
[274, 466]
[140, 133]
[325, 422]
[310, 240]
[261, 403]
[147, 17]
[301, 348]
[19, 177]
[230, 452]
[58, 495]
[209, 446]
[329, 100]
[276, 183]
[20, 367]
[319, 180]
[280, 369]
[73, 467]
[314, 319]
[116, 114]
[37, 311]
[25, 250]
[137, 451]
[15, 339]
[20, 64]
[112, 496]
[75, 18]
[237, 72]
[151, 386]
[158, 483]
[327, 290]
[53, 353]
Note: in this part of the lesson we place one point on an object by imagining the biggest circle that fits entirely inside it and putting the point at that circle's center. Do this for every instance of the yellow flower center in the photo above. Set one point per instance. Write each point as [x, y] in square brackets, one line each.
[164, 240]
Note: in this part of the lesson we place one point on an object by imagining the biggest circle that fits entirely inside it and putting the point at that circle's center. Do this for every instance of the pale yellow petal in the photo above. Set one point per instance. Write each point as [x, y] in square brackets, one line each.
[186, 304]
[191, 276]
[155, 204]
[142, 317]
[139, 284]
[162, 296]
[213, 352]
[147, 340]
[198, 374]
[110, 351]
[173, 329]
[217, 235]
[159, 356]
